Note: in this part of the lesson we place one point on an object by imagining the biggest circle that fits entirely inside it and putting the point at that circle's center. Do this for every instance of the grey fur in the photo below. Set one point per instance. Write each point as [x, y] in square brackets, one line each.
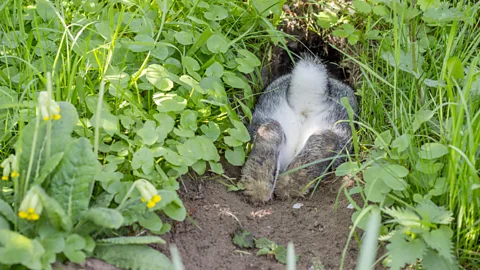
[261, 170]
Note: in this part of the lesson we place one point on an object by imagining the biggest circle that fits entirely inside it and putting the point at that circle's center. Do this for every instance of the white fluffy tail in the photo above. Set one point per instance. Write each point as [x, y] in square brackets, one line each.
[308, 84]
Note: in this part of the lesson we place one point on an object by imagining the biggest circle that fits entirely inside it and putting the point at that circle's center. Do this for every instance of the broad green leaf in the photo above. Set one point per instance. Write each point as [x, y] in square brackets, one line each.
[143, 158]
[240, 132]
[140, 257]
[375, 187]
[188, 120]
[428, 166]
[212, 131]
[48, 167]
[401, 143]
[45, 10]
[4, 224]
[392, 176]
[184, 38]
[432, 151]
[233, 80]
[169, 102]
[455, 67]
[264, 243]
[347, 168]
[421, 117]
[175, 210]
[267, 7]
[443, 13]
[166, 124]
[209, 150]
[151, 221]
[104, 217]
[216, 167]
[147, 133]
[158, 76]
[55, 212]
[200, 167]
[132, 240]
[190, 64]
[18, 249]
[231, 141]
[103, 28]
[71, 180]
[61, 137]
[235, 157]
[216, 13]
[383, 140]
[142, 43]
[73, 248]
[54, 242]
[248, 62]
[403, 252]
[326, 19]
[216, 69]
[217, 43]
[362, 6]
[440, 240]
[380, 10]
[243, 238]
[7, 211]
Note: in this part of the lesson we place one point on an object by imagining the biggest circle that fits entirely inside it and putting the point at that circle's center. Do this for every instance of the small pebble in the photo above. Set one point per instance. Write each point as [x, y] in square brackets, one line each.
[297, 205]
[350, 206]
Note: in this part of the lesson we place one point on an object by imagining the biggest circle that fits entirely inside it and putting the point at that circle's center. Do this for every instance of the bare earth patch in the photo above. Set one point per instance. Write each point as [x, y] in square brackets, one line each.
[318, 231]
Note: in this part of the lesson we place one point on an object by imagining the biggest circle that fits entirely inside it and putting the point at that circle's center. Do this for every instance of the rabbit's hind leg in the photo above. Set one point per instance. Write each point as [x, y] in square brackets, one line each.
[321, 145]
[261, 168]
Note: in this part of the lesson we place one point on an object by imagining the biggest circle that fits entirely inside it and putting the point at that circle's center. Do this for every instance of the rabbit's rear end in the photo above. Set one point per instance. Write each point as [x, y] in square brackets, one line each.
[295, 123]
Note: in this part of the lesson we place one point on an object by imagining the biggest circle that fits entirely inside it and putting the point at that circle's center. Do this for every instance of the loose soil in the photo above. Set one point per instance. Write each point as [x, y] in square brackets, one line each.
[318, 231]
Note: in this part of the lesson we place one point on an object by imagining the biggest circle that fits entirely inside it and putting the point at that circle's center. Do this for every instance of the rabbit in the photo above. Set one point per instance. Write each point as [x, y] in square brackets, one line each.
[296, 122]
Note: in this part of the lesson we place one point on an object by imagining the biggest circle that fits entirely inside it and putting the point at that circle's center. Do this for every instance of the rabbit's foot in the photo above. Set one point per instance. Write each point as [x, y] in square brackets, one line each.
[261, 169]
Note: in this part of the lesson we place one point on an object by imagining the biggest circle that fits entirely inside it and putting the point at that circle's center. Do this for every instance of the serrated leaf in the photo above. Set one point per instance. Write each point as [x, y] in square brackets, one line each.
[433, 213]
[243, 238]
[138, 257]
[433, 261]
[424, 4]
[72, 178]
[104, 217]
[433, 151]
[440, 240]
[132, 240]
[404, 217]
[442, 13]
[402, 252]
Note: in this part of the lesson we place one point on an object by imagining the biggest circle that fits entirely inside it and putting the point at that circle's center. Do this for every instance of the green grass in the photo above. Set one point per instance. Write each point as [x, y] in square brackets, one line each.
[420, 78]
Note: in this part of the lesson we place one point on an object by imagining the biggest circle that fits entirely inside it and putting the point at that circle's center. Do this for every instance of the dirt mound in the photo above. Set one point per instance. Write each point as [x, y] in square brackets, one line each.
[204, 240]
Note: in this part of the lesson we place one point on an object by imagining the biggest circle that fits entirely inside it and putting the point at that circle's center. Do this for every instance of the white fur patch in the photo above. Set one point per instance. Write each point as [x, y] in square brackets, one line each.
[307, 113]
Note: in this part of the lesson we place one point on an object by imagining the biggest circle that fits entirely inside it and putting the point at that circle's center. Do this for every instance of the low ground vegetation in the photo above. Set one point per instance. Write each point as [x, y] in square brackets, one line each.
[103, 105]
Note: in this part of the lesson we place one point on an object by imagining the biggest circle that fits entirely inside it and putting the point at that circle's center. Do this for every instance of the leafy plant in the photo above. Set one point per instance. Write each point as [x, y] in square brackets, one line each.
[52, 176]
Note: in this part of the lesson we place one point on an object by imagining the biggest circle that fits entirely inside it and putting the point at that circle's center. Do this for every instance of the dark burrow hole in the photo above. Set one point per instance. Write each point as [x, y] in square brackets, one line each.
[305, 43]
